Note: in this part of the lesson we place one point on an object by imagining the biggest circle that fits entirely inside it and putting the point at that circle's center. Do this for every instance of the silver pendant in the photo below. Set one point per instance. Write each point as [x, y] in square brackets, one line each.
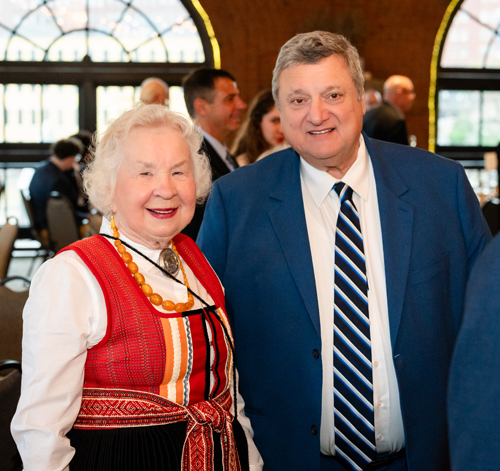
[169, 261]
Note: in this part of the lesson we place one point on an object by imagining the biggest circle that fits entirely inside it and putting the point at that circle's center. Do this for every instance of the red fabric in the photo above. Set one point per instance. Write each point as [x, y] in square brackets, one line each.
[124, 371]
[194, 257]
[133, 409]
[132, 355]
[198, 447]
[198, 378]
[222, 351]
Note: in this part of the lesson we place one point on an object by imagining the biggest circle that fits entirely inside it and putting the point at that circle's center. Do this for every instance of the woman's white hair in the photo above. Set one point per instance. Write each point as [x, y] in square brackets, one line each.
[99, 178]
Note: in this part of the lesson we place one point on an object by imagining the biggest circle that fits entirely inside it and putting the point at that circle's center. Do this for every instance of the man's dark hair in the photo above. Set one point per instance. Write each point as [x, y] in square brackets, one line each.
[85, 137]
[66, 148]
[201, 84]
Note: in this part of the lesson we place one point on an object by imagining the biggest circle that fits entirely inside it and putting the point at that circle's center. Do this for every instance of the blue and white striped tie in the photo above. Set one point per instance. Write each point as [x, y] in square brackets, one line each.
[352, 363]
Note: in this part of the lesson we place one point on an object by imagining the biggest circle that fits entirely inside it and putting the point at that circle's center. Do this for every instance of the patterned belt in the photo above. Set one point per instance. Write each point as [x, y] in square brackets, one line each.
[119, 408]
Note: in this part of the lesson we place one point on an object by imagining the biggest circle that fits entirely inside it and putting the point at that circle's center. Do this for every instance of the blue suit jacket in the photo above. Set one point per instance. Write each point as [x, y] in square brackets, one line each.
[474, 388]
[254, 234]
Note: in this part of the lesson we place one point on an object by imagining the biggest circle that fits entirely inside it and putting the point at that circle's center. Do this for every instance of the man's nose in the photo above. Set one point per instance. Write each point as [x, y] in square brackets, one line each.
[317, 111]
[240, 103]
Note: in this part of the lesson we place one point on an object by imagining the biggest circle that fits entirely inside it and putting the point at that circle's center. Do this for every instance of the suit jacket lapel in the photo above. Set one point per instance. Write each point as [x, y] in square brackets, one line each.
[289, 222]
[396, 219]
[219, 168]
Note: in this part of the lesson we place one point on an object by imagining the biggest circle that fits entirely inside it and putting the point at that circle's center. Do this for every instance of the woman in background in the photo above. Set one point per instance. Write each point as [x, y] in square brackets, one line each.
[261, 130]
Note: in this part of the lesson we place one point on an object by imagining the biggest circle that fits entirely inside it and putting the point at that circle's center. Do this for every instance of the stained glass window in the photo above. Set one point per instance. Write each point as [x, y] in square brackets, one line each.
[67, 65]
[472, 40]
[467, 95]
[141, 38]
[104, 30]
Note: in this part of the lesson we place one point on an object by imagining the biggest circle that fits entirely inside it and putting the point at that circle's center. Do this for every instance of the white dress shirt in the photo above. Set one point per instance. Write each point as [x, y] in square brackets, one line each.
[220, 148]
[322, 205]
[65, 315]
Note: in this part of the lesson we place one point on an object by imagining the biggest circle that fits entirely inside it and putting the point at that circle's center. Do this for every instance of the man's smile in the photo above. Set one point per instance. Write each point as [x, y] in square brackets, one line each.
[321, 132]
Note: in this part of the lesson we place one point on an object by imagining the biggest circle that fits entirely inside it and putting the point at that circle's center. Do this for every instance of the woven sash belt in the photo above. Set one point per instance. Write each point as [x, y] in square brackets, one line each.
[118, 408]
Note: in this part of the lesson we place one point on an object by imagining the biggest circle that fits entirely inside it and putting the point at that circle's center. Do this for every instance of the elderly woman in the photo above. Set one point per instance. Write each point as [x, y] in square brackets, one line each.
[128, 360]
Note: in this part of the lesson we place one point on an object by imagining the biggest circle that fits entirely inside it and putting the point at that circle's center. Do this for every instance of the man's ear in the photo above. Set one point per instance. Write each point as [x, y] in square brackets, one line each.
[200, 106]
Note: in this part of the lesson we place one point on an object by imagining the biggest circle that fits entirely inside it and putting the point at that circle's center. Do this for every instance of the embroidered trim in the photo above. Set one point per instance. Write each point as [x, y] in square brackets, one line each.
[112, 408]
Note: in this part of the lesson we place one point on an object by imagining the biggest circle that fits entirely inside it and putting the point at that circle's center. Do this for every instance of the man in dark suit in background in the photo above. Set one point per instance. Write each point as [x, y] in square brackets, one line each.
[56, 174]
[474, 385]
[213, 101]
[337, 376]
[387, 121]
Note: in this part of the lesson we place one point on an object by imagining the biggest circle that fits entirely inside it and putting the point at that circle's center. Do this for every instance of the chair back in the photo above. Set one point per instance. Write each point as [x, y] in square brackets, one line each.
[42, 236]
[61, 223]
[10, 390]
[8, 235]
[11, 321]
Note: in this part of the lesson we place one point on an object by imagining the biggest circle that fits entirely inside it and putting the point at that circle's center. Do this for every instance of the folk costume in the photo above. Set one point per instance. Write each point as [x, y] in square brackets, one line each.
[157, 385]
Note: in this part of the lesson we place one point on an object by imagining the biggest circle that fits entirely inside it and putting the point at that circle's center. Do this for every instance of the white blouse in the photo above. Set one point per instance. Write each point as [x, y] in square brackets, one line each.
[64, 316]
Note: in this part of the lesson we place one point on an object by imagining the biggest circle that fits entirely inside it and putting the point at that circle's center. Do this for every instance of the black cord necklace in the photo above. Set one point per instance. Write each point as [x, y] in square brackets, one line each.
[165, 272]
[231, 345]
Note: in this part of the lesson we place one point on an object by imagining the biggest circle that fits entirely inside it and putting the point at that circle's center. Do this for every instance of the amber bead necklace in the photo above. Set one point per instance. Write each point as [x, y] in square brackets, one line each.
[154, 298]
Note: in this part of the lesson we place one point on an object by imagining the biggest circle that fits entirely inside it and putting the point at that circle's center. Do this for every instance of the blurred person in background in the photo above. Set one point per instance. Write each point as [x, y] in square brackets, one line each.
[260, 131]
[373, 99]
[154, 91]
[57, 174]
[94, 216]
[474, 382]
[387, 122]
[85, 137]
[213, 101]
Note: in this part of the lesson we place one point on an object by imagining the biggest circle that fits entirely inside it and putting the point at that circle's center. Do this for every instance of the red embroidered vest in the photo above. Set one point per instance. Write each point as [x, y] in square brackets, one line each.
[134, 354]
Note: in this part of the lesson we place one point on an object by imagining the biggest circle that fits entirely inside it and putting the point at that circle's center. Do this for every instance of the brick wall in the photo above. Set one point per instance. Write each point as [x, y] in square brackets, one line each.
[393, 36]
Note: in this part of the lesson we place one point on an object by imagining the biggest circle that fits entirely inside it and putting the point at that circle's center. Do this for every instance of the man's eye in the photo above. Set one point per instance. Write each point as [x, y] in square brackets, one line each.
[334, 95]
[298, 101]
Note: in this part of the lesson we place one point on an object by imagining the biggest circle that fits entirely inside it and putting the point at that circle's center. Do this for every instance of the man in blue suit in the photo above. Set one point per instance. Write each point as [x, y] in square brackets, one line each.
[273, 231]
[474, 387]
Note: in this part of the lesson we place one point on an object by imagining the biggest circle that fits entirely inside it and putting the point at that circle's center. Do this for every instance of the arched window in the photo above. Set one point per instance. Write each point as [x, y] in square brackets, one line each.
[465, 82]
[67, 65]
[70, 64]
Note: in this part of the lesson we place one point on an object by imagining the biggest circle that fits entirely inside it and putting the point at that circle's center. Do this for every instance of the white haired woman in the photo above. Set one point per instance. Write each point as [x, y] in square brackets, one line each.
[128, 360]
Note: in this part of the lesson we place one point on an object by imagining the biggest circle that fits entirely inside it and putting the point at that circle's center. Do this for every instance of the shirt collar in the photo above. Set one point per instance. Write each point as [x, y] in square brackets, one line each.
[320, 183]
[220, 148]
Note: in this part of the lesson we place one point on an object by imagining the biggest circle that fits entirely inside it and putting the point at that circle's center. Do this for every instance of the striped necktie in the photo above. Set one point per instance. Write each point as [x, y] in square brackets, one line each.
[231, 162]
[353, 390]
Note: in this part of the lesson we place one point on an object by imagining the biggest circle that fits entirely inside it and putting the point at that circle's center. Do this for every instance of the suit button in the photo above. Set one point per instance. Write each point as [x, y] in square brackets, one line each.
[315, 353]
[314, 430]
